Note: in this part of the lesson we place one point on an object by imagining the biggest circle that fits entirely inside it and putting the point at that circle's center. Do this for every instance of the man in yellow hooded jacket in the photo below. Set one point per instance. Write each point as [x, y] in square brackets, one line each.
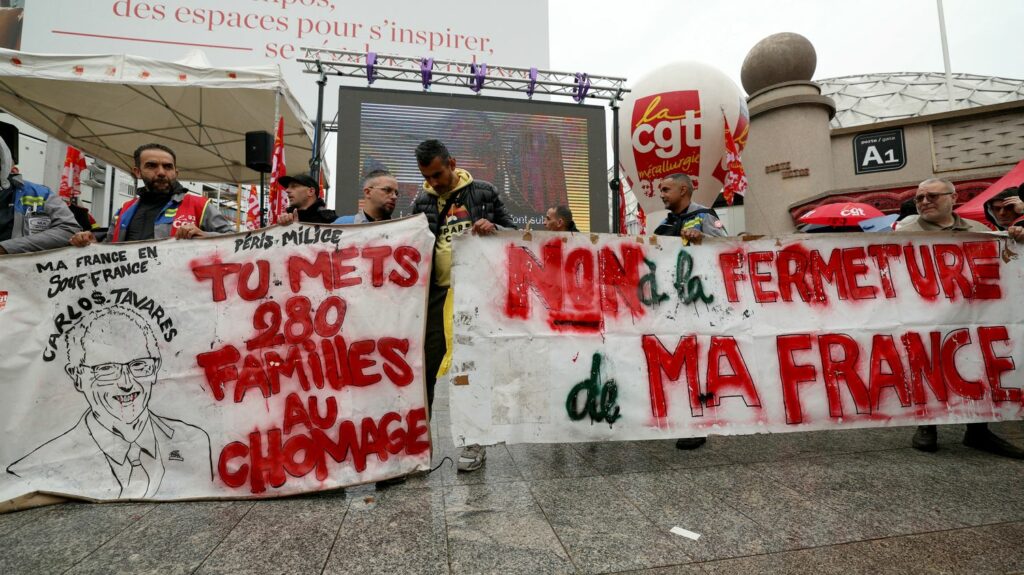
[454, 203]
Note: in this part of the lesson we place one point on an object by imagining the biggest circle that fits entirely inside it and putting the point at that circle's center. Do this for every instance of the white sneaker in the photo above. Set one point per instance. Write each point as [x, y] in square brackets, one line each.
[472, 457]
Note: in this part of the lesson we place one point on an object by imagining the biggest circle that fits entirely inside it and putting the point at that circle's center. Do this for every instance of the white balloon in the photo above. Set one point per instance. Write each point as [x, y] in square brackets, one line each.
[672, 122]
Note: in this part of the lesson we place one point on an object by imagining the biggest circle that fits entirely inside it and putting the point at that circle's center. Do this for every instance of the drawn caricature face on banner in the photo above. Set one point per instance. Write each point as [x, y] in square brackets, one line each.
[673, 123]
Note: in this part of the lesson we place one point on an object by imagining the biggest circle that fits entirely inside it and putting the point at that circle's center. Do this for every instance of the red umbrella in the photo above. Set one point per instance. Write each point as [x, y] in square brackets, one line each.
[846, 214]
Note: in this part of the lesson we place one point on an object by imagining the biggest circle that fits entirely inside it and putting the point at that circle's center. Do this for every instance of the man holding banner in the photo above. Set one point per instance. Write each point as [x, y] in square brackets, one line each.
[304, 201]
[162, 207]
[934, 200]
[691, 222]
[380, 195]
[686, 219]
[32, 218]
[454, 203]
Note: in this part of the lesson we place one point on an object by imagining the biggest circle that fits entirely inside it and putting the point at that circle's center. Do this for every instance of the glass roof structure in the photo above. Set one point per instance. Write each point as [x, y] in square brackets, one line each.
[870, 98]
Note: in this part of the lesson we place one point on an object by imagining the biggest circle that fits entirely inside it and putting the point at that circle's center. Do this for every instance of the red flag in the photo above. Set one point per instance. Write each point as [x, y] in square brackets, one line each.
[252, 215]
[735, 177]
[278, 199]
[71, 175]
[622, 211]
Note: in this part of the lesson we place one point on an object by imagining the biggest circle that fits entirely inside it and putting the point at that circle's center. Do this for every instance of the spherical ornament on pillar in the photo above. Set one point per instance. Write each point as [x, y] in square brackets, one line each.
[779, 58]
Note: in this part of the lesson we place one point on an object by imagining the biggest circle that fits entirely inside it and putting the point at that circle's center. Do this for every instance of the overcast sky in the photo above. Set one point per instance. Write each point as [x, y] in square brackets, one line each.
[627, 39]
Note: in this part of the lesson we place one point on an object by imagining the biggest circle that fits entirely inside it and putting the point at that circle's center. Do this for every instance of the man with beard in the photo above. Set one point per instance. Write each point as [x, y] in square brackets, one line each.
[162, 207]
[304, 201]
[380, 195]
[691, 222]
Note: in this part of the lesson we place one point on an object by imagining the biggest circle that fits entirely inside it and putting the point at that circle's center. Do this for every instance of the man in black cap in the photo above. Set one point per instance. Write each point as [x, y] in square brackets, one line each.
[304, 201]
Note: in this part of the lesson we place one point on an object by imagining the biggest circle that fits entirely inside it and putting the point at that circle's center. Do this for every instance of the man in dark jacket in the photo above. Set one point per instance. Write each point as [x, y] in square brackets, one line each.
[691, 222]
[162, 208]
[1005, 211]
[304, 201]
[454, 203]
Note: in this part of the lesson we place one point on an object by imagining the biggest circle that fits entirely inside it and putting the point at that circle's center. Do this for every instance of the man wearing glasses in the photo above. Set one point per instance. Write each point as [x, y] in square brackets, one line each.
[118, 449]
[380, 195]
[934, 200]
[1005, 210]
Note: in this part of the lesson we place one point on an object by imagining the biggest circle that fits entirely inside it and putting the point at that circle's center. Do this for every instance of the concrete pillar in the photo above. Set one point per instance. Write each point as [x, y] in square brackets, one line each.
[788, 156]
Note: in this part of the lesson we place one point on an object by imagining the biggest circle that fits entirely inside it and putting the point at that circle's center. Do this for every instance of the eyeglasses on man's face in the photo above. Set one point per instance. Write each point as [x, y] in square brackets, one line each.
[114, 371]
[930, 196]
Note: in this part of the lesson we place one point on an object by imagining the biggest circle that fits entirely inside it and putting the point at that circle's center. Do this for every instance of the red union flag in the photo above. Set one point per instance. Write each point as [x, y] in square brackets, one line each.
[278, 199]
[71, 175]
[666, 135]
[735, 178]
[252, 215]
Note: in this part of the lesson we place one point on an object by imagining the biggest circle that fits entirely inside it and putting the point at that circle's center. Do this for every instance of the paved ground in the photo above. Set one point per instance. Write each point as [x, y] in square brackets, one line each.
[837, 502]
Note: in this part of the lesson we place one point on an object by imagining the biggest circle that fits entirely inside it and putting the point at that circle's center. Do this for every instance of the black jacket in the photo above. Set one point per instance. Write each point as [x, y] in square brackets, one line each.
[480, 199]
[318, 213]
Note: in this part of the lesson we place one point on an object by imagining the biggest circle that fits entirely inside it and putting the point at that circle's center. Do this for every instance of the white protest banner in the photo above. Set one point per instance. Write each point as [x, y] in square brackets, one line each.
[248, 365]
[563, 337]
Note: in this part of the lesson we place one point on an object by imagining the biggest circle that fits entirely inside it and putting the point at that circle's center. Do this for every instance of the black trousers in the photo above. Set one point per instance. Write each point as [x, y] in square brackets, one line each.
[435, 345]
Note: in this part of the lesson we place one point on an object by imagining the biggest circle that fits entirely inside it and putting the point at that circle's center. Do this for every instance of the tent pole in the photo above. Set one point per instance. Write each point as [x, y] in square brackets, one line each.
[314, 161]
[615, 184]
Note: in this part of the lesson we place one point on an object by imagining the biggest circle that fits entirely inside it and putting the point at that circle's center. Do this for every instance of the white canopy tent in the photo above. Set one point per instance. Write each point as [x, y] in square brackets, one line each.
[107, 105]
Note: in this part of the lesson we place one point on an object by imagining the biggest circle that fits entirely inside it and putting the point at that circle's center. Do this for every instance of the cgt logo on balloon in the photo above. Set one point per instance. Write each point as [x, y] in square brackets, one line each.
[666, 134]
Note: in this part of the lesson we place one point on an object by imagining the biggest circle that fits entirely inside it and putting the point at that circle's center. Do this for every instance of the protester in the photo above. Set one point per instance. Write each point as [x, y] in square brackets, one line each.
[32, 218]
[686, 219]
[934, 199]
[690, 221]
[559, 219]
[162, 206]
[380, 195]
[1005, 209]
[304, 201]
[454, 203]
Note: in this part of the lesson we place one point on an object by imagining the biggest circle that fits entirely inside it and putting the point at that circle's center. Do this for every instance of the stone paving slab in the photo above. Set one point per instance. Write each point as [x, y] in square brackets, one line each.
[857, 501]
[500, 528]
[171, 538]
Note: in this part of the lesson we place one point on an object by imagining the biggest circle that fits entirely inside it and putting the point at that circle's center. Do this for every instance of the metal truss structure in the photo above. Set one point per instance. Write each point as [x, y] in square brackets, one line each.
[475, 76]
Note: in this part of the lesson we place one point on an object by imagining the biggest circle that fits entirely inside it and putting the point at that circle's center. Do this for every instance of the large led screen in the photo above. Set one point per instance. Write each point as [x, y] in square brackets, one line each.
[537, 154]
